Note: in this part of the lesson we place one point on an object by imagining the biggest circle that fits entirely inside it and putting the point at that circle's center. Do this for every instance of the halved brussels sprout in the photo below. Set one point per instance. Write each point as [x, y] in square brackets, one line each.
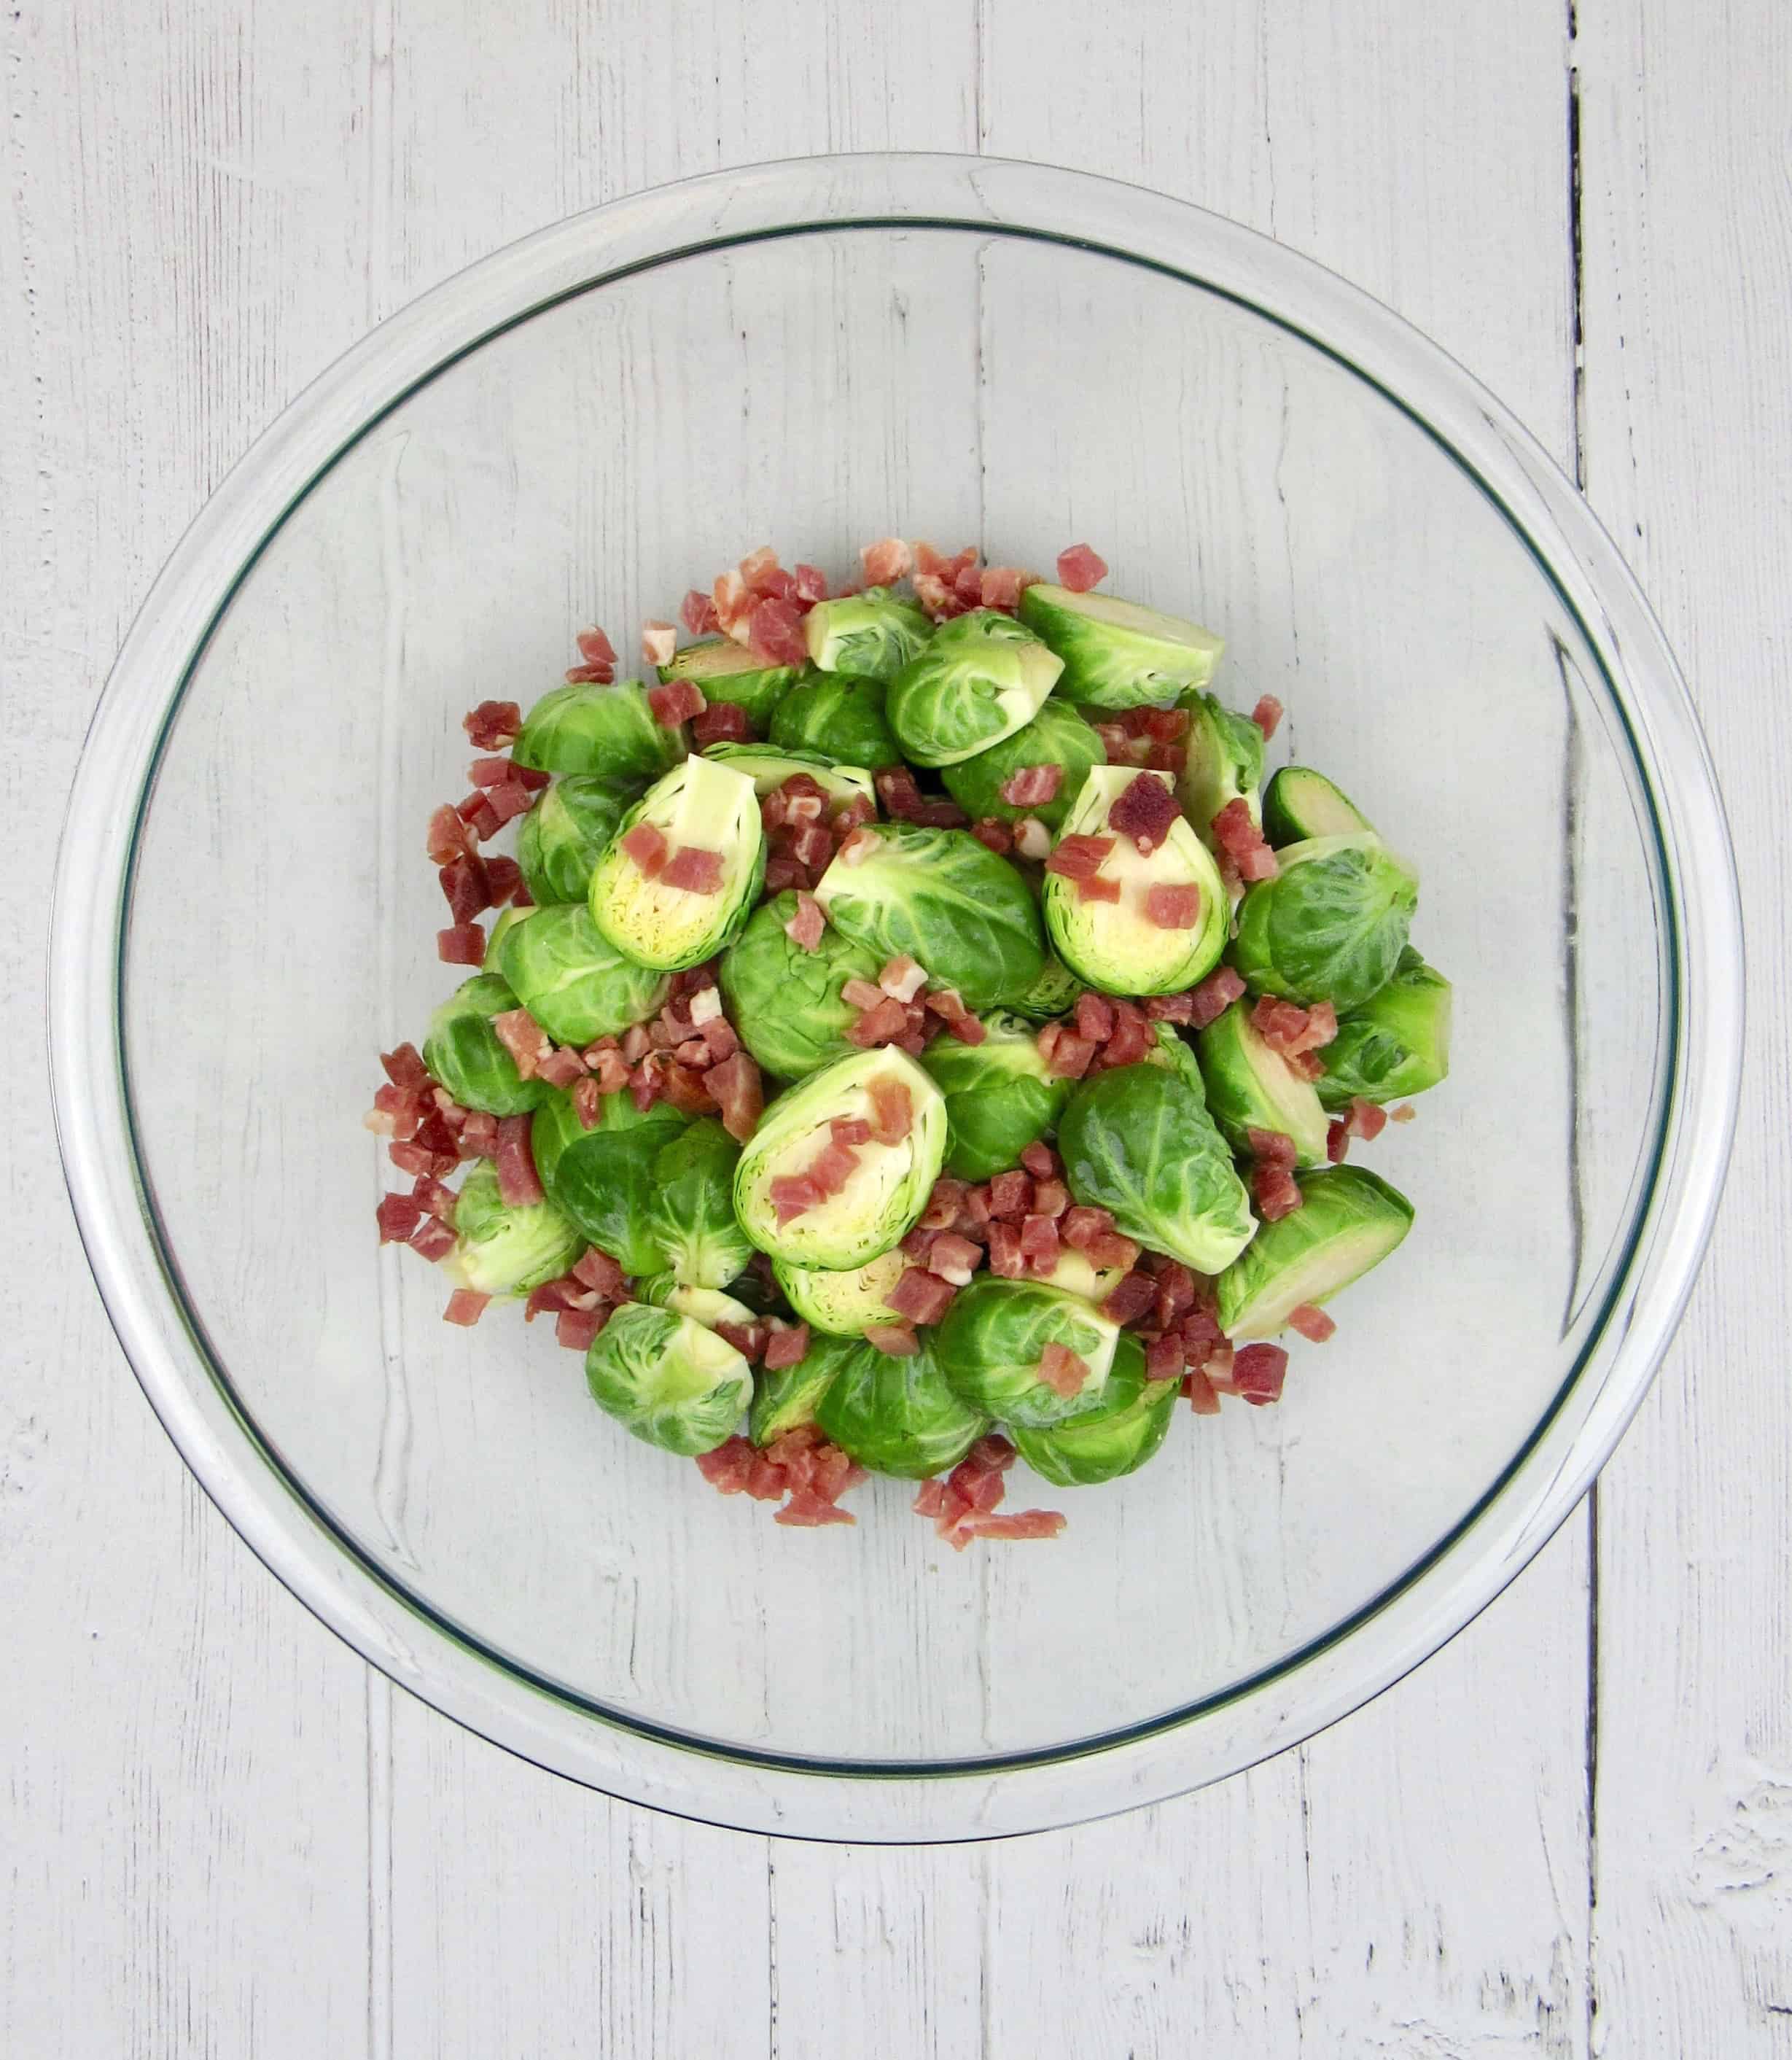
[1332, 924]
[1118, 1438]
[897, 1416]
[946, 900]
[502, 1250]
[768, 768]
[1056, 736]
[699, 806]
[844, 1303]
[1073, 1271]
[841, 719]
[690, 1211]
[1300, 805]
[1117, 654]
[1249, 1086]
[1225, 762]
[726, 671]
[1138, 1142]
[871, 636]
[785, 1002]
[1117, 945]
[571, 978]
[466, 1054]
[883, 1189]
[1396, 1044]
[786, 1398]
[1172, 1052]
[707, 1306]
[594, 728]
[991, 1341]
[1348, 1221]
[602, 1179]
[667, 1379]
[1001, 1095]
[1053, 994]
[979, 679]
[561, 840]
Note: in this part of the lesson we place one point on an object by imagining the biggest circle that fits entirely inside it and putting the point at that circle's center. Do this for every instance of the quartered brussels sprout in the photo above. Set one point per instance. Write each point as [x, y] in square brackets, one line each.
[561, 840]
[571, 978]
[1397, 1043]
[466, 1054]
[725, 671]
[1001, 1095]
[1332, 924]
[897, 1416]
[602, 1179]
[1137, 945]
[503, 1249]
[992, 1342]
[1057, 736]
[1300, 805]
[785, 1398]
[707, 1306]
[868, 635]
[1128, 1429]
[1225, 762]
[1054, 993]
[594, 728]
[668, 915]
[979, 679]
[1348, 1221]
[667, 1379]
[946, 900]
[690, 1211]
[1117, 654]
[768, 768]
[785, 1002]
[882, 1188]
[840, 719]
[1249, 1086]
[844, 1301]
[1138, 1142]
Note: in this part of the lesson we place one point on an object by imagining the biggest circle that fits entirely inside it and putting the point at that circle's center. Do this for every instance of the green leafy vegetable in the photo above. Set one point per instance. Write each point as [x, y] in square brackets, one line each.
[1057, 736]
[1330, 926]
[561, 840]
[1302, 804]
[602, 1180]
[1348, 1221]
[725, 671]
[785, 1002]
[980, 678]
[786, 1398]
[690, 1212]
[667, 1379]
[1249, 1086]
[896, 1415]
[605, 730]
[991, 1344]
[846, 1301]
[502, 1250]
[1001, 1095]
[1117, 654]
[571, 979]
[699, 805]
[839, 719]
[871, 636]
[1225, 762]
[465, 1053]
[1396, 1044]
[1118, 1438]
[769, 767]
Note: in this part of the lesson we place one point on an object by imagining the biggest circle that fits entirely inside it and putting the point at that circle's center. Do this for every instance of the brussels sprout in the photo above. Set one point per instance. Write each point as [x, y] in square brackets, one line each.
[871, 635]
[1054, 993]
[786, 1398]
[1057, 736]
[1347, 1222]
[897, 1416]
[844, 1303]
[885, 1189]
[991, 1341]
[699, 804]
[571, 979]
[981, 679]
[603, 1177]
[466, 1054]
[594, 728]
[1117, 1438]
[505, 1250]
[1073, 1271]
[1331, 926]
[726, 671]
[1137, 1141]
[690, 1213]
[669, 1381]
[946, 900]
[1170, 1051]
[707, 1306]
[1301, 805]
[1000, 1096]
[1249, 1086]
[769, 769]
[561, 840]
[1117, 654]
[1396, 1044]
[785, 1002]
[1114, 944]
[1225, 762]
[840, 720]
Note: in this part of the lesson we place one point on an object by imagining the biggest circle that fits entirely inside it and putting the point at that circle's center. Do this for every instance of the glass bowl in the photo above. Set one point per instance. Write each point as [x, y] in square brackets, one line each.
[818, 354]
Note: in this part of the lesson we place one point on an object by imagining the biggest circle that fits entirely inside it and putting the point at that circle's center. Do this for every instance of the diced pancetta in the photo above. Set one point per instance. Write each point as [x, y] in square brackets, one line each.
[1313, 1324]
[493, 725]
[894, 1340]
[694, 869]
[398, 1215]
[1078, 857]
[739, 1093]
[1039, 1243]
[888, 559]
[922, 1297]
[1079, 569]
[786, 1344]
[1173, 908]
[1268, 715]
[647, 847]
[447, 837]
[1275, 1191]
[464, 1306]
[1129, 1298]
[902, 977]
[1259, 1371]
[892, 1109]
[721, 722]
[776, 631]
[1243, 842]
[674, 701]
[1143, 812]
[463, 945]
[697, 612]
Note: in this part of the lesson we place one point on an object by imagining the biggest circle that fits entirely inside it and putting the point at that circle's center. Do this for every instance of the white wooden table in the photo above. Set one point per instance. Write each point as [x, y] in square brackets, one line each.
[1571, 1833]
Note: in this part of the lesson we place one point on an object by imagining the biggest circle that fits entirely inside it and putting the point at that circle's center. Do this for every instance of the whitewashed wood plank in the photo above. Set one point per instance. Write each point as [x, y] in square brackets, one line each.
[1686, 278]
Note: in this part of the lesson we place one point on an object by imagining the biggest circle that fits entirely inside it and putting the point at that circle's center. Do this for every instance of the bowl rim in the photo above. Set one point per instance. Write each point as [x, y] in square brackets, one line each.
[1700, 941]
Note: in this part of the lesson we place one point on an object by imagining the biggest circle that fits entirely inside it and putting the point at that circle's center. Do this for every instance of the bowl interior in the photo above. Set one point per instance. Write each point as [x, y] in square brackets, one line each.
[818, 390]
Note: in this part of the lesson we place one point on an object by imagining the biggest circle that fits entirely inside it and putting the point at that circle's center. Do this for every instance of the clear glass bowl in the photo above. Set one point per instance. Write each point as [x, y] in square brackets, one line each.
[816, 353]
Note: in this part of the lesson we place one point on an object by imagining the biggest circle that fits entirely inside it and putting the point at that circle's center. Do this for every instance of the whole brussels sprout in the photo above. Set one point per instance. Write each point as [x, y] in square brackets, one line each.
[786, 1397]
[503, 1249]
[1396, 1044]
[1332, 924]
[1249, 1086]
[847, 1301]
[1138, 1142]
[840, 719]
[466, 1054]
[871, 636]
[653, 915]
[690, 1211]
[1117, 1438]
[571, 978]
[979, 679]
[707, 1306]
[946, 900]
[785, 1002]
[1225, 762]
[1001, 1095]
[1348, 1221]
[561, 840]
[1057, 736]
[602, 1179]
[1053, 994]
[1302, 803]
[992, 1342]
[897, 1416]
[882, 1188]
[606, 730]
[725, 671]
[667, 1379]
[769, 767]
[1117, 654]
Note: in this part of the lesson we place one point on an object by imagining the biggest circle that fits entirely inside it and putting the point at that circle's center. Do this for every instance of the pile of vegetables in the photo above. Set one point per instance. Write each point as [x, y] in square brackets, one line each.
[912, 1035]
